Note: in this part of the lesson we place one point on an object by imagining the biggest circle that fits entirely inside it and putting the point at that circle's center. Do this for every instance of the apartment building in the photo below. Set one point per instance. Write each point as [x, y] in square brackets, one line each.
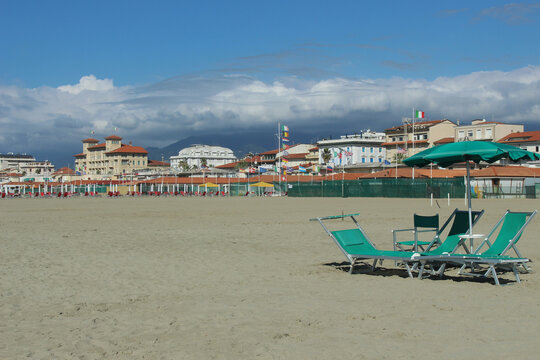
[482, 130]
[410, 138]
[363, 148]
[111, 158]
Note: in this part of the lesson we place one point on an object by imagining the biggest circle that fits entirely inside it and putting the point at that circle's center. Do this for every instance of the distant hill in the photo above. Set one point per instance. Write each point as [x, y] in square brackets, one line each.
[240, 144]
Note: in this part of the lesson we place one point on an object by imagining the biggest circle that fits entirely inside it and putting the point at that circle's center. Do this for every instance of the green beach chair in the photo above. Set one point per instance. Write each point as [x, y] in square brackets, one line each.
[421, 224]
[356, 246]
[510, 229]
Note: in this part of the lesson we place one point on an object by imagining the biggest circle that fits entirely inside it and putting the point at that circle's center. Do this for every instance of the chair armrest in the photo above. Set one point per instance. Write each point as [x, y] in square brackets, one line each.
[429, 230]
[399, 230]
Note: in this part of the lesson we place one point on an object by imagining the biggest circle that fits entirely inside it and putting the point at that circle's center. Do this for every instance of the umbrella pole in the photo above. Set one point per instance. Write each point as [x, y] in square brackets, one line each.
[469, 196]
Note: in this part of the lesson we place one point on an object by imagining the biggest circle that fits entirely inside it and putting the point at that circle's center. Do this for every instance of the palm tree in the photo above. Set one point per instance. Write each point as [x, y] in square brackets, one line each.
[326, 155]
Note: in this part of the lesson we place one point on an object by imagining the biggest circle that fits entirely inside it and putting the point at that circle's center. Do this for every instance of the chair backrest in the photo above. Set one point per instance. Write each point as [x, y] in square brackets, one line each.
[353, 241]
[460, 226]
[421, 221]
[510, 232]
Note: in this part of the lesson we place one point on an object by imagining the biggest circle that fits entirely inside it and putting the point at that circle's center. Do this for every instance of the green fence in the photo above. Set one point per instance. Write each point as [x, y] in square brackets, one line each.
[398, 188]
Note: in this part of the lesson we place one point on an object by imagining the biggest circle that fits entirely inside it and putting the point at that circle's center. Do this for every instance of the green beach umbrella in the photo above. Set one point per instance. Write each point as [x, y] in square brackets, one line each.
[466, 151]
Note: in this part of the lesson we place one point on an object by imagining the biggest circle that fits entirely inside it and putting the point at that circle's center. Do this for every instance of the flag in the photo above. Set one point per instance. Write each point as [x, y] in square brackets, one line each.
[285, 153]
[290, 169]
[285, 134]
[284, 128]
[285, 139]
[419, 114]
[262, 170]
[284, 146]
[284, 178]
[386, 162]
[401, 151]
[329, 168]
[285, 160]
[301, 169]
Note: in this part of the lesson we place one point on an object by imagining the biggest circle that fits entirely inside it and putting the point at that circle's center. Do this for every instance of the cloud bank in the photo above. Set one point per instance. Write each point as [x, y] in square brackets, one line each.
[34, 120]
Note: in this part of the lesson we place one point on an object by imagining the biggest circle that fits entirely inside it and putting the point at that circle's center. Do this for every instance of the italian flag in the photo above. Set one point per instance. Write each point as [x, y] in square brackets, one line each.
[284, 128]
[419, 114]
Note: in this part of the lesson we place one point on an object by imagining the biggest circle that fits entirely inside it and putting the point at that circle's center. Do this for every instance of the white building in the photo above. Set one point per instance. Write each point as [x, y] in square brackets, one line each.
[363, 148]
[11, 160]
[194, 155]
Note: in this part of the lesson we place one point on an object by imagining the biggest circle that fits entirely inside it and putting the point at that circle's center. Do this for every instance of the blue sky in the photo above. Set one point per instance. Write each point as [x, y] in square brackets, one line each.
[163, 70]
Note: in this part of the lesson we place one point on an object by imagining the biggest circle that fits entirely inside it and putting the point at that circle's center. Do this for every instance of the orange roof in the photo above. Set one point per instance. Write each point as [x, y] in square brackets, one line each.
[81, 155]
[158, 163]
[98, 146]
[506, 171]
[270, 152]
[64, 171]
[419, 123]
[90, 140]
[128, 149]
[446, 140]
[113, 137]
[520, 137]
[296, 156]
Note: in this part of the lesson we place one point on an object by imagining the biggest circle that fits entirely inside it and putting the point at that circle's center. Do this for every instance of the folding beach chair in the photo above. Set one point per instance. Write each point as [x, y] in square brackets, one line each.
[356, 246]
[421, 224]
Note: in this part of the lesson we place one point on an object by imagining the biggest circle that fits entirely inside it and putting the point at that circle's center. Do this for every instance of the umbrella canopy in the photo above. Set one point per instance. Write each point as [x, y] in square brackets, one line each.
[476, 151]
[209, 184]
[263, 184]
[465, 151]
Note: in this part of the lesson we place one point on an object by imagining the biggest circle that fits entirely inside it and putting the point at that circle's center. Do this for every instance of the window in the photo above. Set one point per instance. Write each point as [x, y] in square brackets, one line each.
[371, 150]
[461, 134]
[478, 133]
[363, 160]
[363, 149]
[380, 160]
[371, 160]
[470, 133]
[489, 133]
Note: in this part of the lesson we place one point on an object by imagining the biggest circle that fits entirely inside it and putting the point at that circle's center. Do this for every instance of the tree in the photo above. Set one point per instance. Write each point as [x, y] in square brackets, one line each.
[204, 162]
[398, 157]
[326, 155]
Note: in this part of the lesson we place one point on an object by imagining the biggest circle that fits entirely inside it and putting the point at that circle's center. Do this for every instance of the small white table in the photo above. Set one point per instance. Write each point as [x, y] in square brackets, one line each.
[471, 238]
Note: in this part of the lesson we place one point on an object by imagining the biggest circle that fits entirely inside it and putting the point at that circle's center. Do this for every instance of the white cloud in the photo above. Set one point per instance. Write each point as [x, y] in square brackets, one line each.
[88, 83]
[158, 114]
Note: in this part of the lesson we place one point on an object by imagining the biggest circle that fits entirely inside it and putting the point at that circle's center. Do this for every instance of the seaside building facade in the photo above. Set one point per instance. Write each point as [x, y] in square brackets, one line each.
[11, 160]
[406, 140]
[364, 148]
[111, 158]
[199, 155]
[482, 130]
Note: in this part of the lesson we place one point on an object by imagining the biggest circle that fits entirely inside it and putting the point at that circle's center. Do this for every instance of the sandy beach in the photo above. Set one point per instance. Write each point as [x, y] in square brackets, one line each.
[243, 278]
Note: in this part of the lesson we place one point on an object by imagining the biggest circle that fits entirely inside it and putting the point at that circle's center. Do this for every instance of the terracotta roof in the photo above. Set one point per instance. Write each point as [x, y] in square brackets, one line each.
[270, 152]
[520, 137]
[90, 140]
[81, 155]
[113, 137]
[296, 156]
[98, 146]
[419, 123]
[446, 140]
[64, 171]
[128, 149]
[314, 148]
[506, 171]
[158, 163]
[409, 142]
[228, 166]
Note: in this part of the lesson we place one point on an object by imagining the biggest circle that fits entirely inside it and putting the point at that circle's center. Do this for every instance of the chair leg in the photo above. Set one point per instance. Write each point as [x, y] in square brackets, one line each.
[374, 265]
[494, 274]
[516, 274]
[409, 270]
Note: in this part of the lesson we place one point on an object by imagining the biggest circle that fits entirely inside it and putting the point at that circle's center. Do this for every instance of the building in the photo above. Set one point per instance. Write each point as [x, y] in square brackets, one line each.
[198, 155]
[363, 148]
[36, 170]
[405, 140]
[11, 160]
[482, 130]
[111, 158]
[526, 140]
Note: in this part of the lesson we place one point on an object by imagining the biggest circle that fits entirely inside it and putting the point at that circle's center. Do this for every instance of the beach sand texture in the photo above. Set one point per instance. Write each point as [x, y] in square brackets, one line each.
[243, 278]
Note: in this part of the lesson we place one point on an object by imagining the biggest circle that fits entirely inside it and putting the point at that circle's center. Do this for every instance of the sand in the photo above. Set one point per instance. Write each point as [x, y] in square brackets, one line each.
[243, 278]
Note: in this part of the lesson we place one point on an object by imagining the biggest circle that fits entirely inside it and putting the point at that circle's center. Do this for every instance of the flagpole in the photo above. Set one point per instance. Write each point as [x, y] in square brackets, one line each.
[279, 149]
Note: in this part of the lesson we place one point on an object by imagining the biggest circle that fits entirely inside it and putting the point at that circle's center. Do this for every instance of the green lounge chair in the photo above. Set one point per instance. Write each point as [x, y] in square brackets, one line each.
[355, 244]
[511, 227]
[421, 224]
